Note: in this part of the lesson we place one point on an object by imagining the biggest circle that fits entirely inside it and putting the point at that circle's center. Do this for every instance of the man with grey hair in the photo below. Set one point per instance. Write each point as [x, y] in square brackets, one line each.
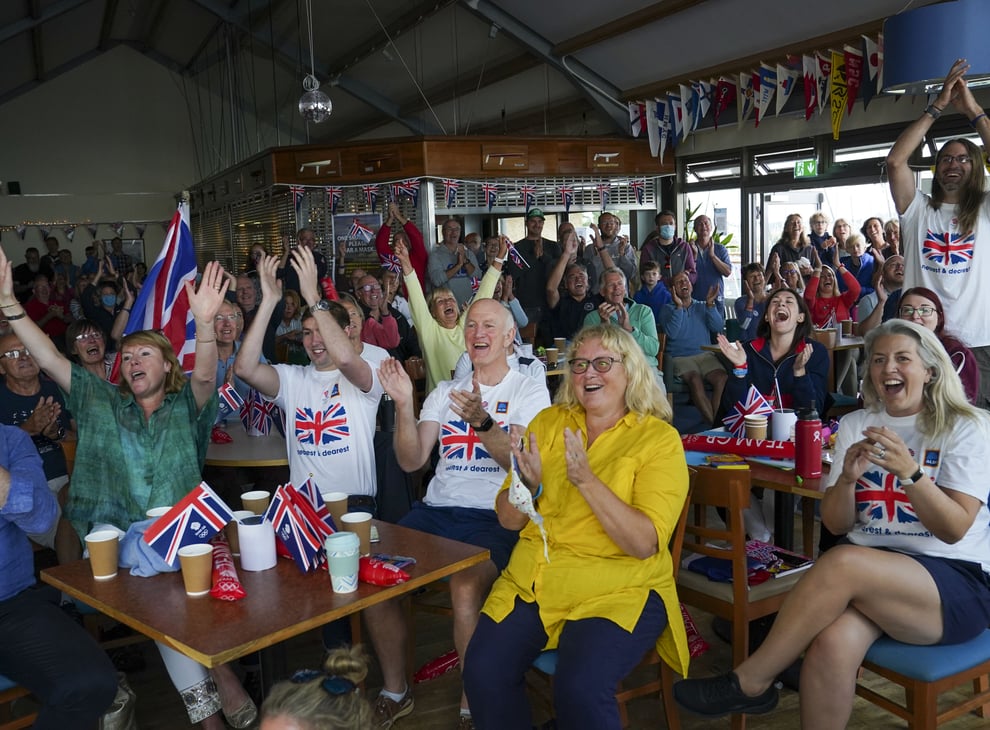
[470, 417]
[619, 309]
[452, 264]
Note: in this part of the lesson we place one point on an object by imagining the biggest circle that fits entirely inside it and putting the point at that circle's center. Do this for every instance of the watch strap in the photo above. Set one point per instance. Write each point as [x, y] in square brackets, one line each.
[918, 475]
[485, 425]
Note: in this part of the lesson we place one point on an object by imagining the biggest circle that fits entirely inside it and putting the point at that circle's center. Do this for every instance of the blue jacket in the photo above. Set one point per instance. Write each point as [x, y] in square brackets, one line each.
[810, 389]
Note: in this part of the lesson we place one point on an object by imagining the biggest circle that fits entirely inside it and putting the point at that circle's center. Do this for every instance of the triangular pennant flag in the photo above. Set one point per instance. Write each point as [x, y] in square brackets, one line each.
[838, 91]
[768, 87]
[871, 57]
[408, 188]
[46, 232]
[786, 81]
[676, 119]
[140, 228]
[491, 194]
[92, 230]
[566, 197]
[688, 107]
[880, 63]
[334, 196]
[604, 193]
[854, 75]
[665, 118]
[298, 192]
[370, 195]
[450, 188]
[824, 78]
[653, 114]
[637, 118]
[746, 99]
[725, 96]
[69, 232]
[702, 90]
[639, 190]
[810, 67]
[20, 231]
[118, 228]
[529, 196]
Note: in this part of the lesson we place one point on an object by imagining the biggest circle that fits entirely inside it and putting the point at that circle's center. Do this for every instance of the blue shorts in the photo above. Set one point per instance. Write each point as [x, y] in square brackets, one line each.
[478, 527]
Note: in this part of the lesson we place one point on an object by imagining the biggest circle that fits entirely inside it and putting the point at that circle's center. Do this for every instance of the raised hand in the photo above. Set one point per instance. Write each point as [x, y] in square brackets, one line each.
[305, 265]
[578, 471]
[267, 268]
[733, 351]
[526, 457]
[402, 253]
[205, 302]
[712, 295]
[802, 359]
[467, 404]
[954, 91]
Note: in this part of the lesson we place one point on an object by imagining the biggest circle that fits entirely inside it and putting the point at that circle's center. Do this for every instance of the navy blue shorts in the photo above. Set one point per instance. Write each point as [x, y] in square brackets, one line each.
[478, 527]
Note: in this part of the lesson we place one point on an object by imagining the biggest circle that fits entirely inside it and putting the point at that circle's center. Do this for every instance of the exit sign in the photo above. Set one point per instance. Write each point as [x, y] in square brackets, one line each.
[806, 168]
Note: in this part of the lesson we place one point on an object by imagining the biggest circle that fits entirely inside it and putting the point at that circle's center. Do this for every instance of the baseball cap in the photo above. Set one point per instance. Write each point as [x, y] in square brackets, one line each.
[535, 213]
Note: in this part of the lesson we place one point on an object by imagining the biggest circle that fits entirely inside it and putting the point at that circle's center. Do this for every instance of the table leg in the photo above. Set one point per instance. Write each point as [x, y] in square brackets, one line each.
[783, 519]
[274, 666]
[808, 525]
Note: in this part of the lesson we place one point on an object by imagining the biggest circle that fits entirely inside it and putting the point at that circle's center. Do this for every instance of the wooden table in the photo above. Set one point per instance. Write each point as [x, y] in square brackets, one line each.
[247, 450]
[785, 487]
[281, 602]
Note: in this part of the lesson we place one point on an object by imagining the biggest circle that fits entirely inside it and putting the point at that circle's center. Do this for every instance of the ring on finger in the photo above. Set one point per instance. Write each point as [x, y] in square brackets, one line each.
[881, 452]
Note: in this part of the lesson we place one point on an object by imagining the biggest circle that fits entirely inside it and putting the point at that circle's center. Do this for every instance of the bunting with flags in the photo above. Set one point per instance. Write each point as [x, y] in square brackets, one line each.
[370, 195]
[490, 191]
[529, 196]
[810, 68]
[162, 303]
[871, 58]
[408, 188]
[786, 80]
[639, 190]
[689, 105]
[824, 78]
[676, 119]
[604, 193]
[297, 192]
[854, 75]
[69, 232]
[702, 91]
[837, 92]
[637, 118]
[768, 87]
[450, 188]
[334, 196]
[566, 197]
[653, 116]
[747, 96]
[666, 125]
[725, 96]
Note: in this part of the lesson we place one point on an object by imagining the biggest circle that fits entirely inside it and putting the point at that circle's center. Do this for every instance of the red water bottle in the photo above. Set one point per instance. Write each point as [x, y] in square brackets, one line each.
[808, 444]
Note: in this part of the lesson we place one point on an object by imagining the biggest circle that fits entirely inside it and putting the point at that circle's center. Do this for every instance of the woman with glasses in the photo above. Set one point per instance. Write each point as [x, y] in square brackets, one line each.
[86, 346]
[922, 306]
[606, 471]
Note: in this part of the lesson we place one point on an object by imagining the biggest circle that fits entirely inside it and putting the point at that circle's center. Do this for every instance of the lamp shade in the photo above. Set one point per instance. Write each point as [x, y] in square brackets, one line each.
[921, 45]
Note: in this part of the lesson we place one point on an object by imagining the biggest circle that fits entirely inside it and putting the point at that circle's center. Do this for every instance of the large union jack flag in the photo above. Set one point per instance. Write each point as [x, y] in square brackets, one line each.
[883, 499]
[200, 515]
[459, 441]
[360, 230]
[754, 404]
[321, 427]
[948, 248]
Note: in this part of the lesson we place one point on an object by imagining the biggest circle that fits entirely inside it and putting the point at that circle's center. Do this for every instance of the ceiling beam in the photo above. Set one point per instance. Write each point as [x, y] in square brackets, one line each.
[69, 65]
[741, 65]
[106, 27]
[602, 94]
[37, 47]
[151, 29]
[532, 120]
[623, 25]
[357, 89]
[51, 12]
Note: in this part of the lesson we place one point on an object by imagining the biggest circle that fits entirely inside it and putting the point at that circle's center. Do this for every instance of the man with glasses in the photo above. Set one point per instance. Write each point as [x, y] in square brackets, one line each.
[881, 304]
[939, 231]
[452, 265]
[617, 308]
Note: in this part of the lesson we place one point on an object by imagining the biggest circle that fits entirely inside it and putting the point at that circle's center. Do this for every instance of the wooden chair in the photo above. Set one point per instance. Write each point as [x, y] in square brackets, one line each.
[663, 684]
[737, 601]
[528, 333]
[9, 692]
[416, 369]
[925, 672]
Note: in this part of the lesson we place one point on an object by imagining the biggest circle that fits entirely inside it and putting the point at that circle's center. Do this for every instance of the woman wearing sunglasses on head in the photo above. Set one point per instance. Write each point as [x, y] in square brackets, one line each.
[607, 473]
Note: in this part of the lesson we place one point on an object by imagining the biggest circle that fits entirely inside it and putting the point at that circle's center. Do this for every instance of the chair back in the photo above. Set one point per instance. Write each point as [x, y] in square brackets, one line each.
[416, 369]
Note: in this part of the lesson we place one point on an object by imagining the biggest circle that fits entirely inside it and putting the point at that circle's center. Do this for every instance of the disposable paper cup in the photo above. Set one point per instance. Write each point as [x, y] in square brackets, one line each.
[360, 523]
[782, 425]
[156, 512]
[336, 503]
[231, 530]
[551, 357]
[257, 501]
[756, 427]
[257, 538]
[343, 550]
[197, 568]
[560, 343]
[102, 546]
[847, 327]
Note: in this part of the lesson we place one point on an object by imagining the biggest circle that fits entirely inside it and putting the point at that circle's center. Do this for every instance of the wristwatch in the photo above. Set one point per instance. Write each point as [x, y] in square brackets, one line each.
[485, 425]
[322, 306]
[914, 478]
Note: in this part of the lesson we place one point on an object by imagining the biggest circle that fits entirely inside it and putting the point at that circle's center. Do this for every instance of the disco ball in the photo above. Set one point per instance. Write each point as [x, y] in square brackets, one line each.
[314, 105]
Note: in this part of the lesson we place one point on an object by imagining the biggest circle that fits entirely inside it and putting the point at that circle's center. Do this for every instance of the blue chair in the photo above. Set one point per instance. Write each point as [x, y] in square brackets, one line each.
[9, 691]
[927, 671]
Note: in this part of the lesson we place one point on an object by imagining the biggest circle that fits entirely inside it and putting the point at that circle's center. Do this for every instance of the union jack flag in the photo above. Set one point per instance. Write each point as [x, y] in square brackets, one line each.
[409, 188]
[604, 193]
[322, 426]
[312, 494]
[459, 441]
[529, 196]
[197, 517]
[475, 283]
[371, 195]
[517, 257]
[639, 190]
[754, 405]
[298, 191]
[258, 414]
[360, 230]
[948, 248]
[303, 542]
[162, 303]
[230, 401]
[334, 195]
[883, 499]
[491, 193]
[450, 188]
[566, 197]
[390, 262]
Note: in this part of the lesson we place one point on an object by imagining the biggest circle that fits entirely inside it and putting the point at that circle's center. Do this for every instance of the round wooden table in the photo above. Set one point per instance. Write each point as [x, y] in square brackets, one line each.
[248, 450]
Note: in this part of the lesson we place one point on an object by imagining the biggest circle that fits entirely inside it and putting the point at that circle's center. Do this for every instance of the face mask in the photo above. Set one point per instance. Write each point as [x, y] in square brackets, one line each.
[666, 231]
[108, 300]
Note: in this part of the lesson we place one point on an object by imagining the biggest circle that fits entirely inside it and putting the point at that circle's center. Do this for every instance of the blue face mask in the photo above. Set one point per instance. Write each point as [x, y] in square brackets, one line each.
[666, 231]
[109, 300]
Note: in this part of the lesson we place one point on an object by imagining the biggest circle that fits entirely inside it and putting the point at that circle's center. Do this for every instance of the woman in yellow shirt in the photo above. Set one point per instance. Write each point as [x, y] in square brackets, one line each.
[608, 475]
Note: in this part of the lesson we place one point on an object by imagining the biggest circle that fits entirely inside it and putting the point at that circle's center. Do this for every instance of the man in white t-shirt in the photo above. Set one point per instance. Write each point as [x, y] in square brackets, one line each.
[940, 232]
[470, 417]
[331, 404]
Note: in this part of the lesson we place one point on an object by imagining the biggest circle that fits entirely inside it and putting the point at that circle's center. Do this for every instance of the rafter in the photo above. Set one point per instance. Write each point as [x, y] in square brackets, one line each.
[152, 27]
[625, 24]
[69, 65]
[51, 12]
[469, 80]
[106, 27]
[37, 47]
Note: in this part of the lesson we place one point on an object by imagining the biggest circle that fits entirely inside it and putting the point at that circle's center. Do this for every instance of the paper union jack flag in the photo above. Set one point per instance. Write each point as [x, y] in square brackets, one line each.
[517, 257]
[322, 426]
[409, 188]
[303, 542]
[258, 414]
[450, 188]
[230, 401]
[754, 405]
[298, 191]
[475, 283]
[334, 195]
[945, 249]
[390, 262]
[604, 193]
[459, 441]
[566, 197]
[371, 195]
[360, 230]
[883, 500]
[200, 515]
[312, 494]
[639, 190]
[491, 194]
[529, 196]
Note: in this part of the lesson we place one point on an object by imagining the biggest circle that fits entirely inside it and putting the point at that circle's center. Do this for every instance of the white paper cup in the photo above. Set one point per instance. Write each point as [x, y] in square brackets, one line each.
[343, 555]
[782, 425]
[257, 538]
[103, 546]
[231, 530]
[156, 512]
[360, 523]
[197, 568]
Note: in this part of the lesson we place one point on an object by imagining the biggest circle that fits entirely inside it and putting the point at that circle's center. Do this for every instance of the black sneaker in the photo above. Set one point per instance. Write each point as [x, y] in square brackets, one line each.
[718, 696]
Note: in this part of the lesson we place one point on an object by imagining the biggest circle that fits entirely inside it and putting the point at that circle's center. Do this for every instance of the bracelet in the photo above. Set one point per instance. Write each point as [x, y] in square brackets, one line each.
[497, 260]
[125, 309]
[978, 117]
[15, 317]
[8, 306]
[740, 372]
[933, 111]
[539, 491]
[206, 342]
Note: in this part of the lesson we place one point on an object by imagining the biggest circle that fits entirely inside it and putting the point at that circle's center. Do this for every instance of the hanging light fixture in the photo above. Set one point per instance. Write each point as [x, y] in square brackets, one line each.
[314, 105]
